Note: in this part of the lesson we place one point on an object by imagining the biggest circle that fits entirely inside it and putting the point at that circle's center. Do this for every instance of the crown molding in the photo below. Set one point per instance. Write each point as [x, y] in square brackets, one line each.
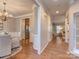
[25, 15]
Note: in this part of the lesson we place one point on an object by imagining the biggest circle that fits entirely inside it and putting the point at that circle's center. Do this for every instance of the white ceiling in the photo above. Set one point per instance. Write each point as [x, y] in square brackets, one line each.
[18, 7]
[21, 7]
[52, 6]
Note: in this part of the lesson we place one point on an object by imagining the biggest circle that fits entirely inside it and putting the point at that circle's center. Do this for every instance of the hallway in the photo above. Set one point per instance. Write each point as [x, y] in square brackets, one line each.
[39, 20]
[55, 50]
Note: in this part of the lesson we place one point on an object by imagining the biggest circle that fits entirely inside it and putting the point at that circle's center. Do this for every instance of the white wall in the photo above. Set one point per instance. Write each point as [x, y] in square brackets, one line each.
[43, 29]
[73, 9]
[36, 27]
[46, 30]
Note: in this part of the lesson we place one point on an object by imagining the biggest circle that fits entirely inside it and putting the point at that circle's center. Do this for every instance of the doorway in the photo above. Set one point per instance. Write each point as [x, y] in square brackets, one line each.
[27, 33]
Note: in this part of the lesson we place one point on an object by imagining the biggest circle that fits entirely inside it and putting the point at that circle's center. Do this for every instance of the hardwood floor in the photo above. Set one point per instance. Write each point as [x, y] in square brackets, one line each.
[55, 50]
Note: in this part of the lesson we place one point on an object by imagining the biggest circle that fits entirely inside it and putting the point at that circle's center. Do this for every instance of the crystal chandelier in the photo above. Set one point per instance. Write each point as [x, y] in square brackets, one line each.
[4, 14]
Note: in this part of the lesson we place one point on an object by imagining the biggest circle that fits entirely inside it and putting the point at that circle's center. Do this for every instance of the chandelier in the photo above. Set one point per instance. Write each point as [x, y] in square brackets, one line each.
[4, 14]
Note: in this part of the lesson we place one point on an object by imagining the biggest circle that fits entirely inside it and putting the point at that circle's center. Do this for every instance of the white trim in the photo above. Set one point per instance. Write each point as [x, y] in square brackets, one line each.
[75, 52]
[21, 18]
[43, 48]
[37, 38]
[35, 46]
[30, 14]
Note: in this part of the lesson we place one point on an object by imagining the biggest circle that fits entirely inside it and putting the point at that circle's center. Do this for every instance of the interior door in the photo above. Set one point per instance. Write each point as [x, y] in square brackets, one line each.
[27, 33]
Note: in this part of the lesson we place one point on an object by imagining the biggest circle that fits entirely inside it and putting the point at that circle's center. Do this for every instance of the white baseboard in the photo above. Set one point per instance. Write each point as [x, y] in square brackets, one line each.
[39, 52]
[75, 52]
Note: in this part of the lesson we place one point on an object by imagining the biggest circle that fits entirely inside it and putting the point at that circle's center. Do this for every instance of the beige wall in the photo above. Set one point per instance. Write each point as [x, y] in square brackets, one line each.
[60, 19]
[12, 25]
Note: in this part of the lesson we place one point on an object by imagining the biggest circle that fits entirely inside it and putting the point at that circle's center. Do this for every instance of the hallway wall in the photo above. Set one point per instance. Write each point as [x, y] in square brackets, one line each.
[46, 30]
[42, 29]
[58, 19]
[72, 35]
[77, 29]
[67, 29]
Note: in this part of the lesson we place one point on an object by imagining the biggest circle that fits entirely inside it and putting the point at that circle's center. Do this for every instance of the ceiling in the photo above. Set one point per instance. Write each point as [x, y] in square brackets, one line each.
[21, 7]
[18, 7]
[51, 6]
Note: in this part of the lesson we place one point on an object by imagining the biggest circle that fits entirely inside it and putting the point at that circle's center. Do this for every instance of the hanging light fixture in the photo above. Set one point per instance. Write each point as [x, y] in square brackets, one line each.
[4, 14]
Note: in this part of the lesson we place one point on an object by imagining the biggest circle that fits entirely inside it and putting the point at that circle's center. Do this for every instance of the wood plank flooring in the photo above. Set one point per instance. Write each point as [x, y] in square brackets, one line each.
[55, 50]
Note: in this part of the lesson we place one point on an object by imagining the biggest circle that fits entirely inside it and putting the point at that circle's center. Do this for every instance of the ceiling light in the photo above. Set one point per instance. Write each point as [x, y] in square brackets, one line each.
[57, 12]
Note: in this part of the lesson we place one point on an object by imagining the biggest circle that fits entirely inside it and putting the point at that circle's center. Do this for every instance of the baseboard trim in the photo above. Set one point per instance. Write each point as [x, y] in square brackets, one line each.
[74, 52]
[39, 52]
